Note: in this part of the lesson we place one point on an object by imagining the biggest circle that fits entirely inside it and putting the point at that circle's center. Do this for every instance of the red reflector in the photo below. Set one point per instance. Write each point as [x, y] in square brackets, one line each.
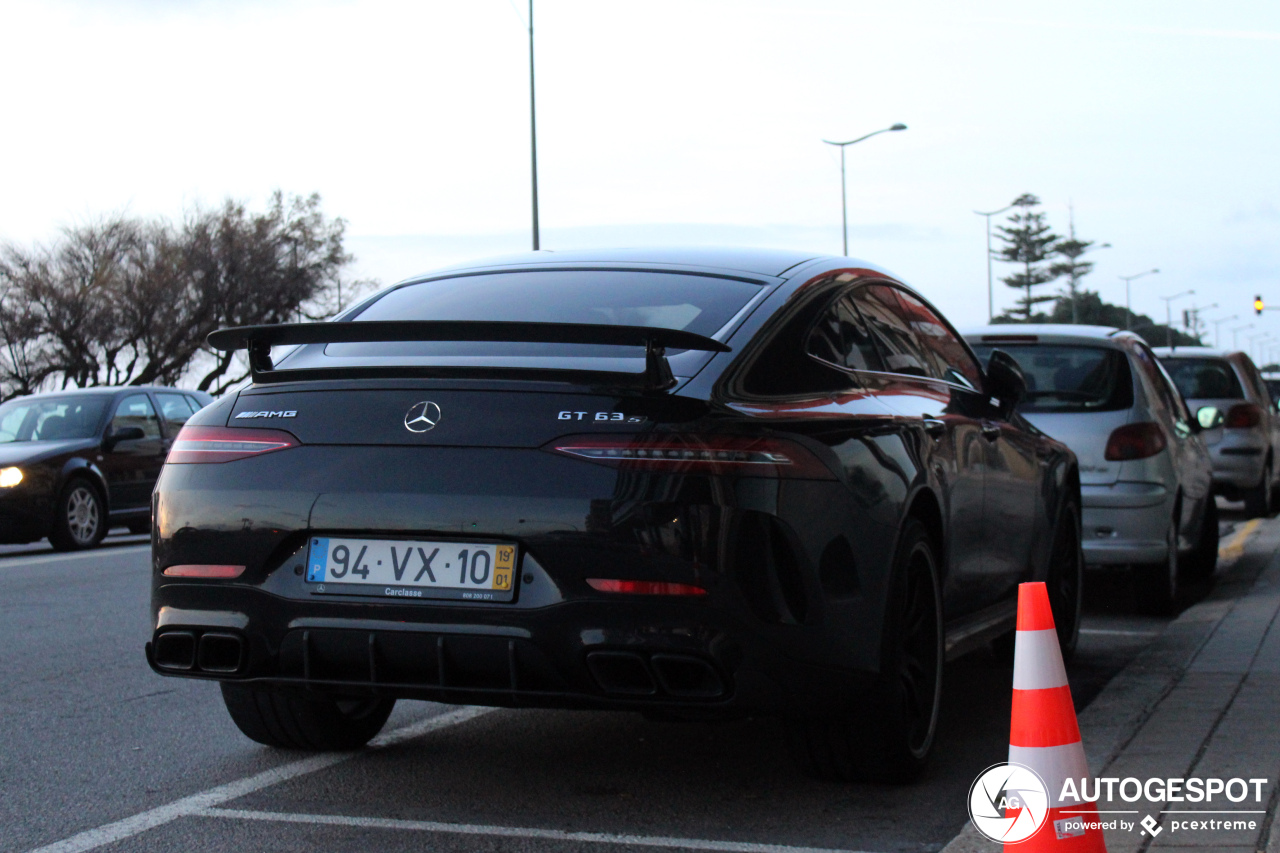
[1243, 416]
[644, 587]
[225, 444]
[694, 454]
[1135, 441]
[194, 571]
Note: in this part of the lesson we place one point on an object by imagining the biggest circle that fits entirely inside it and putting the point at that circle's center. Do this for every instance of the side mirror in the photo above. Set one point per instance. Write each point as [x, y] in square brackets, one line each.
[1005, 380]
[124, 434]
[1209, 417]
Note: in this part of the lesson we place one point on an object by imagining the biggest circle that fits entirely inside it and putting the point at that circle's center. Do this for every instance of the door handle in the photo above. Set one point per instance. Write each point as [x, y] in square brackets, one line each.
[991, 431]
[933, 426]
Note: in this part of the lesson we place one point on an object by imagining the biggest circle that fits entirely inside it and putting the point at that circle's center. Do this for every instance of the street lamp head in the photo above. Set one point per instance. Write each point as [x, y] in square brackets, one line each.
[898, 126]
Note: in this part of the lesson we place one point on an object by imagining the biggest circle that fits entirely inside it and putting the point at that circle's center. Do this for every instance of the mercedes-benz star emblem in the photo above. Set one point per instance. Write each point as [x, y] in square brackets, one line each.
[422, 416]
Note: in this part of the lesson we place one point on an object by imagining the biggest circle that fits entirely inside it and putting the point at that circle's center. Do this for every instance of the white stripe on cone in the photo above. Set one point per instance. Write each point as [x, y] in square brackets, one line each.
[1037, 661]
[1055, 764]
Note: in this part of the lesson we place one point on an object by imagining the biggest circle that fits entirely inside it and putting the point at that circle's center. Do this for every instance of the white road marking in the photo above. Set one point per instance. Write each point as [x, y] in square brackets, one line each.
[518, 832]
[197, 803]
[100, 553]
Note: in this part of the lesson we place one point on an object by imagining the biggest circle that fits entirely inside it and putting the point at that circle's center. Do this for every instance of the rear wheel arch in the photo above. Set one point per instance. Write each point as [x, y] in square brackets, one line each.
[85, 470]
[926, 509]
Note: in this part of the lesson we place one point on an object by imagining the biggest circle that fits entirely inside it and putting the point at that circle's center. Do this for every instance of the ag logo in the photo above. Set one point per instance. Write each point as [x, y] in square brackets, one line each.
[1008, 803]
[422, 416]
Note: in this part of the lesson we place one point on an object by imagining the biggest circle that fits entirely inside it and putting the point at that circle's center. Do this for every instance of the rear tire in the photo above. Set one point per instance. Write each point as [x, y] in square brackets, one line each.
[1065, 581]
[1257, 501]
[291, 720]
[1158, 582]
[80, 517]
[889, 737]
[1203, 561]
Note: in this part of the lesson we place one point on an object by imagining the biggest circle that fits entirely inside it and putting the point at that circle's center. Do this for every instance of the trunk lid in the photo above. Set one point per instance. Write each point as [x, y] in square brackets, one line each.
[1086, 433]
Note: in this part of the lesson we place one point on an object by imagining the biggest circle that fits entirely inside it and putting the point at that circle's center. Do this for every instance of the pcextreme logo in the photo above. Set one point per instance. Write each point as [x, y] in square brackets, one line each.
[1008, 803]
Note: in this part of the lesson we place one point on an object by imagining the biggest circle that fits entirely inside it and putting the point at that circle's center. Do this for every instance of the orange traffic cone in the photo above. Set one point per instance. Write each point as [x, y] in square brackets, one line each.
[1043, 732]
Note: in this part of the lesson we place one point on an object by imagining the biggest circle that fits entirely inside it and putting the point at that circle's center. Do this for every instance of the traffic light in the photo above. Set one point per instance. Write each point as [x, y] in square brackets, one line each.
[1257, 305]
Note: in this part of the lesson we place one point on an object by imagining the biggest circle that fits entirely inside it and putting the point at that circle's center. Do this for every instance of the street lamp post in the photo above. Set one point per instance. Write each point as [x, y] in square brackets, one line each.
[1235, 343]
[1217, 323]
[1168, 315]
[533, 135]
[991, 299]
[1252, 338]
[1192, 316]
[844, 210]
[1128, 312]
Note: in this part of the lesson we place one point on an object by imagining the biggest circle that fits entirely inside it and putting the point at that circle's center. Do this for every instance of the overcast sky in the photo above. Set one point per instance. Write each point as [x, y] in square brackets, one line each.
[696, 121]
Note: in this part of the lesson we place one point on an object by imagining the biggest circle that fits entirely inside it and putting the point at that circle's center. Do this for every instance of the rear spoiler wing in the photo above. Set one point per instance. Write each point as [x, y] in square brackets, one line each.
[657, 375]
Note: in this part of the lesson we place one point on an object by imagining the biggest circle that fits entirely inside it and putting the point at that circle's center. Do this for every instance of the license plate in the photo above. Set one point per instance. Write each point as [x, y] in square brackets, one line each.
[399, 568]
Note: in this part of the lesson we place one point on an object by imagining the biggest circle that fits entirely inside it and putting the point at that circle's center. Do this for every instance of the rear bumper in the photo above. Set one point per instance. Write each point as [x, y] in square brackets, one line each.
[1125, 523]
[790, 623]
[621, 655]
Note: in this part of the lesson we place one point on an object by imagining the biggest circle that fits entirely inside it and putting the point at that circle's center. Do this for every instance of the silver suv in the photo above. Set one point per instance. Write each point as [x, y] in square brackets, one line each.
[1244, 452]
[1145, 474]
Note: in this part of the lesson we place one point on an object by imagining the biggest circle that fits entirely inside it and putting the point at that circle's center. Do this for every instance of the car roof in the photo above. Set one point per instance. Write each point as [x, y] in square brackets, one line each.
[107, 390]
[1195, 352]
[1055, 333]
[770, 262]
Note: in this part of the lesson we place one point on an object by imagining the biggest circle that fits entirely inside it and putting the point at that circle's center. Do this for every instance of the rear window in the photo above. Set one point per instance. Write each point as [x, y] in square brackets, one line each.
[1069, 378]
[695, 303]
[1204, 378]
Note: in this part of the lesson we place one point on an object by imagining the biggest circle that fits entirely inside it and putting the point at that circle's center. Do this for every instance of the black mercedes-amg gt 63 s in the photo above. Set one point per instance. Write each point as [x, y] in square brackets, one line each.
[690, 483]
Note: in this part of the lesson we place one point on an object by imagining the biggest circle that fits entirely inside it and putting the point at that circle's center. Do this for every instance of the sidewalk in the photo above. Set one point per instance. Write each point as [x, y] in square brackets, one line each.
[1203, 700]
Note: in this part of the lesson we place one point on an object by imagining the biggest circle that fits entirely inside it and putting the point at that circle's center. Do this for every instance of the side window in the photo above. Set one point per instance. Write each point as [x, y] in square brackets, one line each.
[903, 350]
[1166, 393]
[136, 411]
[195, 404]
[1255, 383]
[914, 340]
[175, 409]
[951, 359]
[840, 338]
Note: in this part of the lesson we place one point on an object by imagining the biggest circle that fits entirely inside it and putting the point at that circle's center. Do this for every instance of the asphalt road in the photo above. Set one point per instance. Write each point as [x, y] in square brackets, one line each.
[97, 752]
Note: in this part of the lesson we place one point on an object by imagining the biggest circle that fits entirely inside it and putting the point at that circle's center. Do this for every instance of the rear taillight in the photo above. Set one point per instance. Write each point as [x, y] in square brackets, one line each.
[697, 454]
[224, 444]
[204, 571]
[644, 587]
[1243, 416]
[1135, 441]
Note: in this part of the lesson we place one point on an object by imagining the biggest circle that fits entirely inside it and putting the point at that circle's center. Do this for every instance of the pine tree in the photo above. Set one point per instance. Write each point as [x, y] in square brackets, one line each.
[1071, 250]
[1030, 243]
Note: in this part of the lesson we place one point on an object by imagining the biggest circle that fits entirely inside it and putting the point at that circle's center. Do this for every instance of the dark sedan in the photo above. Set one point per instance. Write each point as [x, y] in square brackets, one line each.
[76, 463]
[694, 484]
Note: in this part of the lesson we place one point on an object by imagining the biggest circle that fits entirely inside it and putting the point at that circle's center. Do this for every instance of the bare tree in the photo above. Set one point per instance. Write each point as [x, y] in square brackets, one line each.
[121, 301]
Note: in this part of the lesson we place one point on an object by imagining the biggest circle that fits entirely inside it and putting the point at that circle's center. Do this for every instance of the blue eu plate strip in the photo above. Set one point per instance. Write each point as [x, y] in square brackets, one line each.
[319, 557]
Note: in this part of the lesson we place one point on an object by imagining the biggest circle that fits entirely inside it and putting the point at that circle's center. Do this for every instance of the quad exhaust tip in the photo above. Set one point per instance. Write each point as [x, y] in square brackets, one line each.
[215, 652]
[633, 674]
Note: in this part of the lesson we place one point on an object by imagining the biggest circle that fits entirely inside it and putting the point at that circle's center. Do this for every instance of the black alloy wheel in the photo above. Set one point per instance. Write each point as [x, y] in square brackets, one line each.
[81, 518]
[888, 735]
[294, 720]
[1065, 582]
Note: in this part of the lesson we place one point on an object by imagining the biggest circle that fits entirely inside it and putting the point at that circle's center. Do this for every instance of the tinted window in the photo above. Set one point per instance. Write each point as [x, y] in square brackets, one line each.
[1069, 377]
[951, 360]
[136, 411]
[840, 337]
[901, 348]
[695, 303]
[175, 409]
[1204, 378]
[51, 419]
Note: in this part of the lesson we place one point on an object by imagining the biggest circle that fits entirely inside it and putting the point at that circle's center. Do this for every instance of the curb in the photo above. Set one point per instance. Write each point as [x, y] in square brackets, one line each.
[1114, 718]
